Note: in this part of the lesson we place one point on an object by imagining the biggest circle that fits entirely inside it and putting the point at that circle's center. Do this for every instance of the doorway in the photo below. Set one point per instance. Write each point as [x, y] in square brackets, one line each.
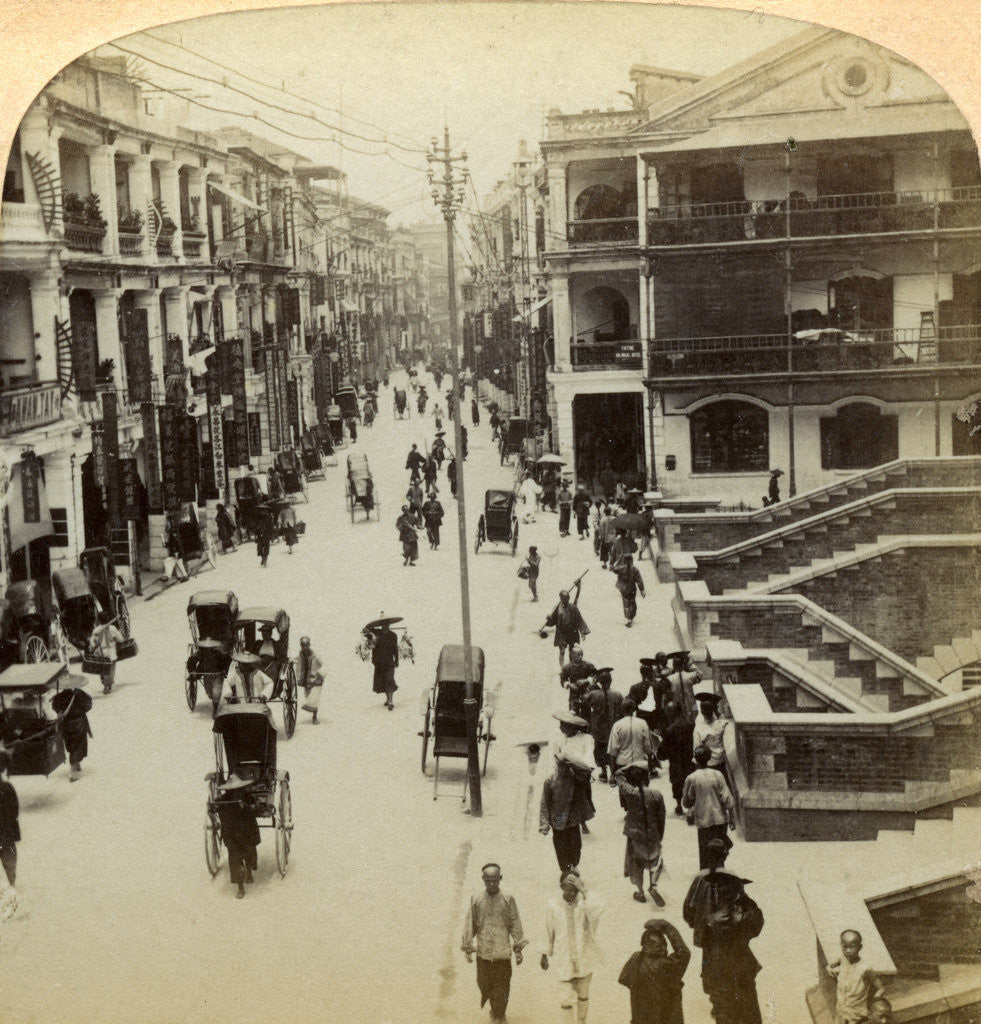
[608, 432]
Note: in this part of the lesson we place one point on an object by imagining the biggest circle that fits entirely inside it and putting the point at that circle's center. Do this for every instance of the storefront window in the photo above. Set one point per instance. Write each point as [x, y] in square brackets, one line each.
[858, 436]
[730, 437]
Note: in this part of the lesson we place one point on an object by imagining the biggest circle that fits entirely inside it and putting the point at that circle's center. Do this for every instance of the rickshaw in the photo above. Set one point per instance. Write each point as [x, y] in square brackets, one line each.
[245, 743]
[290, 471]
[324, 439]
[445, 719]
[347, 398]
[26, 625]
[360, 487]
[78, 613]
[248, 497]
[335, 425]
[105, 583]
[400, 409]
[313, 463]
[28, 726]
[279, 666]
[211, 616]
[499, 521]
[513, 439]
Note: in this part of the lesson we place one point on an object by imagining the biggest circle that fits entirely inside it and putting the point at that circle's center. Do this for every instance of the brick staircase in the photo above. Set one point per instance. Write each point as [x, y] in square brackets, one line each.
[711, 531]
[947, 659]
[857, 527]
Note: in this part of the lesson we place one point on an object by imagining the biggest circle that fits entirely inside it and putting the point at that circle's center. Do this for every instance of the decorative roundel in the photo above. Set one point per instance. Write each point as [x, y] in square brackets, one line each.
[855, 75]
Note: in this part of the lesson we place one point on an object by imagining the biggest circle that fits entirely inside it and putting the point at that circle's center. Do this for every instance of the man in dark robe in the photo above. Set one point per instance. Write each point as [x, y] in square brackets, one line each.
[570, 627]
[385, 658]
[239, 831]
[653, 975]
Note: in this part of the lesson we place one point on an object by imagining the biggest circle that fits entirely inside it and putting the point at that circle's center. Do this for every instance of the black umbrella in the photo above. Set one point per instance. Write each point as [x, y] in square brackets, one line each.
[76, 698]
[630, 521]
[381, 623]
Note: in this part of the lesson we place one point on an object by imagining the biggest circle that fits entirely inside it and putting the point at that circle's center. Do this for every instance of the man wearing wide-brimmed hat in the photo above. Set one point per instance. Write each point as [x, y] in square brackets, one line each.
[603, 707]
[245, 680]
[565, 806]
[708, 802]
[239, 830]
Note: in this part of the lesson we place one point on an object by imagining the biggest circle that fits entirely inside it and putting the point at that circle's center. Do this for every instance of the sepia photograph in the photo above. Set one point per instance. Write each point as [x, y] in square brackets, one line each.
[648, 336]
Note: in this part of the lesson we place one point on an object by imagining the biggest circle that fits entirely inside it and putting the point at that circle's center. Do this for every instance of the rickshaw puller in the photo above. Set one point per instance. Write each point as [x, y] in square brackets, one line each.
[239, 833]
[245, 680]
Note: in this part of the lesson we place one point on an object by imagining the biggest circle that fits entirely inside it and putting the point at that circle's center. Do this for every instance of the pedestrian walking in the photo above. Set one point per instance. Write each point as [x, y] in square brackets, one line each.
[565, 806]
[352, 427]
[463, 442]
[263, 526]
[623, 544]
[287, 525]
[643, 826]
[676, 748]
[571, 926]
[102, 643]
[548, 489]
[174, 546]
[385, 658]
[226, 529]
[581, 504]
[451, 474]
[310, 676]
[575, 676]
[9, 821]
[274, 484]
[856, 984]
[603, 707]
[431, 472]
[71, 703]
[492, 931]
[575, 742]
[724, 920]
[530, 569]
[570, 626]
[708, 803]
[474, 412]
[653, 975]
[432, 514]
[565, 509]
[630, 743]
[495, 425]
[530, 493]
[773, 490]
[406, 526]
[629, 582]
[644, 535]
[239, 831]
[415, 463]
[709, 729]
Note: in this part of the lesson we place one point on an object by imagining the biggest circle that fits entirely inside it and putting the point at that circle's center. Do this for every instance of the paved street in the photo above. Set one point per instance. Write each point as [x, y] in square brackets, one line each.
[366, 925]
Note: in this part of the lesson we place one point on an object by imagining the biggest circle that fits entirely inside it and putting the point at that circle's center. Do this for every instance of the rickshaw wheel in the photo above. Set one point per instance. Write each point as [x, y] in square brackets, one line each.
[479, 536]
[212, 842]
[190, 691]
[487, 741]
[284, 827]
[35, 650]
[122, 616]
[289, 702]
[425, 735]
[514, 536]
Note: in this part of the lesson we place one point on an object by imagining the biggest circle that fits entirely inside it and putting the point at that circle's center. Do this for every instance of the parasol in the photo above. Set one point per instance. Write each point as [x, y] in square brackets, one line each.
[382, 623]
[630, 521]
[550, 460]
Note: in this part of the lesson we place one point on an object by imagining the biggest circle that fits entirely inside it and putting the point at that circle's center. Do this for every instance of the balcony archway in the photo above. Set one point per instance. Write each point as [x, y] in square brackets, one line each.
[597, 202]
[730, 436]
[858, 436]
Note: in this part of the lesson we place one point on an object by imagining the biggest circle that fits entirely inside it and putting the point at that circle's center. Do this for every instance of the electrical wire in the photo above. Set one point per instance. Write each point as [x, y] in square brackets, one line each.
[267, 103]
[266, 85]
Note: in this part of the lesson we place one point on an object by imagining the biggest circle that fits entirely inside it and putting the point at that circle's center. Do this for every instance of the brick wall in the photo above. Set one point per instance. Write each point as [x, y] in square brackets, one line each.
[908, 600]
[783, 695]
[931, 929]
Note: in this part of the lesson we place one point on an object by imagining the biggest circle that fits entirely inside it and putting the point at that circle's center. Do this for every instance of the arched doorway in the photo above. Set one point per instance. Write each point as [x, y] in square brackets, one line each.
[858, 436]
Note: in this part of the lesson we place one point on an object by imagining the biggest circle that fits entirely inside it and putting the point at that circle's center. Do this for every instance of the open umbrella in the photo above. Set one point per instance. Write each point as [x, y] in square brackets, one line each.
[550, 460]
[630, 521]
[381, 623]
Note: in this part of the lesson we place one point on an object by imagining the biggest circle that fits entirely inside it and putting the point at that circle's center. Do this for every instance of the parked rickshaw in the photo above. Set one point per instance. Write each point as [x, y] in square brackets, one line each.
[28, 725]
[360, 488]
[290, 471]
[278, 665]
[335, 424]
[322, 434]
[499, 521]
[25, 624]
[211, 616]
[445, 719]
[245, 744]
[78, 612]
[106, 584]
[313, 463]
[248, 497]
[347, 398]
[400, 408]
[513, 439]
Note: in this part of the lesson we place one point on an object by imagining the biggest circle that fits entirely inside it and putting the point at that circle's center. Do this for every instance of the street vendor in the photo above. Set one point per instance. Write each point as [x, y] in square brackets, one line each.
[310, 676]
[103, 643]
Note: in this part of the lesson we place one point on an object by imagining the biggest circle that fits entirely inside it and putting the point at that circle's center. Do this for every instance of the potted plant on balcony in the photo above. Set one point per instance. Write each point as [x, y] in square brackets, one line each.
[85, 227]
[130, 222]
[106, 372]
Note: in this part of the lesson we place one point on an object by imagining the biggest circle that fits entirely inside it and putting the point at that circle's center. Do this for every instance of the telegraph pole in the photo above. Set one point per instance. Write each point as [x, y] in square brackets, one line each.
[448, 196]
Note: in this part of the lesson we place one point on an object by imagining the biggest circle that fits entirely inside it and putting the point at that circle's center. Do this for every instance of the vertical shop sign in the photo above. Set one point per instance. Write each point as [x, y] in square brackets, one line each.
[188, 468]
[168, 457]
[129, 489]
[293, 404]
[138, 367]
[30, 472]
[216, 429]
[110, 452]
[255, 433]
[151, 457]
[240, 406]
[84, 359]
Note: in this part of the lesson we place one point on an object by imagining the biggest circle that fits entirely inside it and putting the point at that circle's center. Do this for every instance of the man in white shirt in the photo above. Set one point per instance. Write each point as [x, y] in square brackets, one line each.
[571, 922]
[708, 731]
[245, 680]
[630, 741]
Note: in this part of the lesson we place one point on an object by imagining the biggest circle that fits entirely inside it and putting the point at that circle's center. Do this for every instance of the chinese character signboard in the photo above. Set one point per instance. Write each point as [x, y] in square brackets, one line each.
[151, 457]
[110, 451]
[216, 426]
[129, 489]
[168, 457]
[188, 464]
[255, 433]
[240, 405]
[293, 404]
[137, 342]
[84, 351]
[30, 471]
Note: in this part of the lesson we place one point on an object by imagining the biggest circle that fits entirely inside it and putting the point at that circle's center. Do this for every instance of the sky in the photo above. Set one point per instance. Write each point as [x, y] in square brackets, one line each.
[392, 73]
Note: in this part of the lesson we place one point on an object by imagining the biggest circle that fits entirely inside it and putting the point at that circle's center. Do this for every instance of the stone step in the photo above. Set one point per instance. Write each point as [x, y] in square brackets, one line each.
[930, 666]
[966, 650]
[947, 657]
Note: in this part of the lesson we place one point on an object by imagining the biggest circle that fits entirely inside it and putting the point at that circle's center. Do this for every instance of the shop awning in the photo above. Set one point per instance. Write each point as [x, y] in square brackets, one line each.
[245, 201]
[540, 304]
[349, 307]
[22, 533]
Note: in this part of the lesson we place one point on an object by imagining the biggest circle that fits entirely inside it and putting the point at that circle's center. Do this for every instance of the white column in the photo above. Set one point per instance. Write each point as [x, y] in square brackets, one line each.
[175, 303]
[643, 198]
[35, 138]
[150, 301]
[170, 196]
[45, 306]
[140, 198]
[107, 330]
[562, 321]
[558, 210]
[229, 311]
[102, 171]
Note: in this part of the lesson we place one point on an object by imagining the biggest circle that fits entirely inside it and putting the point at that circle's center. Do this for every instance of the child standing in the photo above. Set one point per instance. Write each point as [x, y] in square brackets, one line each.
[855, 984]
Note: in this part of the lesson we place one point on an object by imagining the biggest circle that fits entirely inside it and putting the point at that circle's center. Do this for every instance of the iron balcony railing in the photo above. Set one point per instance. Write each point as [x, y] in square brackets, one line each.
[26, 406]
[861, 213]
[814, 351]
[608, 229]
[91, 412]
[598, 351]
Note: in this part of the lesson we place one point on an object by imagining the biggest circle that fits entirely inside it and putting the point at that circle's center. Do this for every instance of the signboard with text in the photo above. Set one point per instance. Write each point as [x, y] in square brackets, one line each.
[151, 457]
[169, 439]
[240, 405]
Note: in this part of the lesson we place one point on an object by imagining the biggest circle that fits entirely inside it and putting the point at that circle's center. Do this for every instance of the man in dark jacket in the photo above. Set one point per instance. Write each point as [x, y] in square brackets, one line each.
[432, 513]
[603, 707]
[565, 807]
[415, 463]
[653, 975]
[9, 825]
[570, 627]
[385, 658]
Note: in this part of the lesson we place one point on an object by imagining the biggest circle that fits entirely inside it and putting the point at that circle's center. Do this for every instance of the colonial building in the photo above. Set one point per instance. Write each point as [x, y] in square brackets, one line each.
[774, 267]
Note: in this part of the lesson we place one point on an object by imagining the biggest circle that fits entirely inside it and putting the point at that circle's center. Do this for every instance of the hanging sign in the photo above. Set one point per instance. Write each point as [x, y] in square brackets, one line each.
[30, 484]
[151, 457]
[168, 458]
[293, 404]
[98, 459]
[110, 451]
[216, 427]
[138, 368]
[129, 489]
[240, 405]
[188, 466]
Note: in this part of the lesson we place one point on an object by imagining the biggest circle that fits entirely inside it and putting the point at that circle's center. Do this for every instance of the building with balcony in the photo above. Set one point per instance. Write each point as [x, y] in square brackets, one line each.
[783, 256]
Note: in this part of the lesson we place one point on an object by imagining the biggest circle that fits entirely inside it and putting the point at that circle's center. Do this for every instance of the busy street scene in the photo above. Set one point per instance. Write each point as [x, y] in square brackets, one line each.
[528, 576]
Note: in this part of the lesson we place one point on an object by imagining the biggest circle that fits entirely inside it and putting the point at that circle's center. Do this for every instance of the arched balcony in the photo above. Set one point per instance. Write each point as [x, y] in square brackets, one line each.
[606, 331]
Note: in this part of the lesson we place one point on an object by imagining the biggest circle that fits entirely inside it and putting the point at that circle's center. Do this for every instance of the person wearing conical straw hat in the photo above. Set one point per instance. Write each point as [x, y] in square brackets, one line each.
[239, 830]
